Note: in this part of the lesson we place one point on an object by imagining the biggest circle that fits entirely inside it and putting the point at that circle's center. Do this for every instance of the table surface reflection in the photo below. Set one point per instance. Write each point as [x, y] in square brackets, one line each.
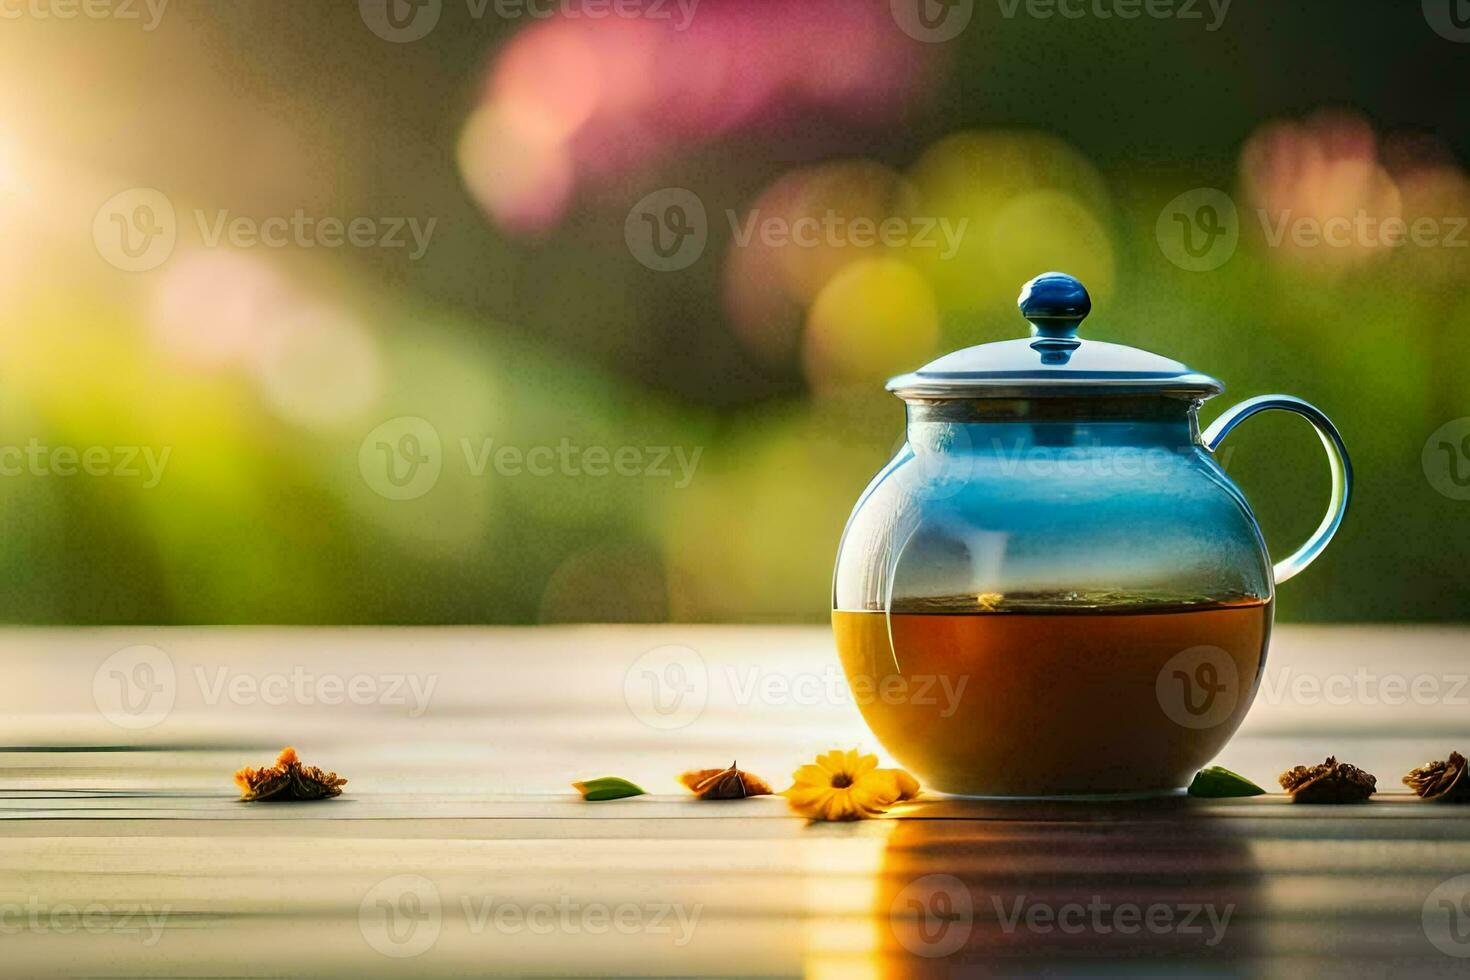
[459, 849]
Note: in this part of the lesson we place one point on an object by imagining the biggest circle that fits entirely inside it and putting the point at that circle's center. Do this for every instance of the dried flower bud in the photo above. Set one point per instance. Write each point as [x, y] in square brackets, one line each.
[288, 779]
[724, 784]
[1330, 782]
[1444, 781]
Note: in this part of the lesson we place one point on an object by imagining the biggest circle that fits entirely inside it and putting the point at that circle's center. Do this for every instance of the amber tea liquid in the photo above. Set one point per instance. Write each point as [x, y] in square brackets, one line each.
[1043, 703]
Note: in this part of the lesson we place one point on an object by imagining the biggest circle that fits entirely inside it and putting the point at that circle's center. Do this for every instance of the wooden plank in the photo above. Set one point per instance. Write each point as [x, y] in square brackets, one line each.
[470, 796]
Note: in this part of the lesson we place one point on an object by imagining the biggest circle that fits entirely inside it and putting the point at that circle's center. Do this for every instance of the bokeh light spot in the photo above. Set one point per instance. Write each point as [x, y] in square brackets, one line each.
[213, 308]
[319, 368]
[876, 318]
[522, 177]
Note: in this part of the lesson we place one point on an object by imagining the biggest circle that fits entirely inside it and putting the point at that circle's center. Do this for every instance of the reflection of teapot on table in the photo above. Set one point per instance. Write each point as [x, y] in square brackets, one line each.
[1029, 887]
[1053, 588]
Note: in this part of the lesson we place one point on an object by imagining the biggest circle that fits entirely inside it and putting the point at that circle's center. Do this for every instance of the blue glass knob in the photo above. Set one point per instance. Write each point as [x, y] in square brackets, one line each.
[1055, 304]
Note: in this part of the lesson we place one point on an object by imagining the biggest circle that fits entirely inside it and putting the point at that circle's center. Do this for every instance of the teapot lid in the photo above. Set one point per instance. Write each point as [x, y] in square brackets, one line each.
[1054, 362]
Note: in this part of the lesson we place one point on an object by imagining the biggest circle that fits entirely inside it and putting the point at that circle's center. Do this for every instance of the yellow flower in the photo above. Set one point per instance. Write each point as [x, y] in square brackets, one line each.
[848, 786]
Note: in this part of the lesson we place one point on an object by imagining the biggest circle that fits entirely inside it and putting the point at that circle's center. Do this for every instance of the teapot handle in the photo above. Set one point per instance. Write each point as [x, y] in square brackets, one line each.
[1337, 459]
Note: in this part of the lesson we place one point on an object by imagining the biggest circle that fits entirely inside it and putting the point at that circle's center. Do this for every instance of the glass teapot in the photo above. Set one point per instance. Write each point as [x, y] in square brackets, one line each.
[1053, 588]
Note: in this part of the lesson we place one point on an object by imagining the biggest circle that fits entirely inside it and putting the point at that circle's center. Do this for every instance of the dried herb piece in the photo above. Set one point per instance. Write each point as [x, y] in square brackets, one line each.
[287, 780]
[607, 788]
[724, 784]
[1331, 782]
[1218, 783]
[1444, 781]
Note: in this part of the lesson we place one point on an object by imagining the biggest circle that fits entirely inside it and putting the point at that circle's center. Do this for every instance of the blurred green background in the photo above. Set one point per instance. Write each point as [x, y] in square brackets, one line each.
[322, 411]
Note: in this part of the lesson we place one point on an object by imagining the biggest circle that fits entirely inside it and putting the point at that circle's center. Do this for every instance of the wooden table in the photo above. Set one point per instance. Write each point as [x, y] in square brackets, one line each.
[458, 848]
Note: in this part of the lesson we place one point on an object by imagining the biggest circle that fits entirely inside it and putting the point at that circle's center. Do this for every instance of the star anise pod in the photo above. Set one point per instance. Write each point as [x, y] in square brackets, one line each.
[1441, 780]
[1330, 782]
[288, 779]
[724, 784]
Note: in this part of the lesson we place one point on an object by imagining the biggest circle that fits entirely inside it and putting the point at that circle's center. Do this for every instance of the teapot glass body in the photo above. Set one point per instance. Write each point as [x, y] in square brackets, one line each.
[1059, 590]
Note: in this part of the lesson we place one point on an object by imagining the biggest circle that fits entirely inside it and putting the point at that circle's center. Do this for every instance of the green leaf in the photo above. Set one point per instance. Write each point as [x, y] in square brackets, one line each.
[1217, 782]
[607, 788]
